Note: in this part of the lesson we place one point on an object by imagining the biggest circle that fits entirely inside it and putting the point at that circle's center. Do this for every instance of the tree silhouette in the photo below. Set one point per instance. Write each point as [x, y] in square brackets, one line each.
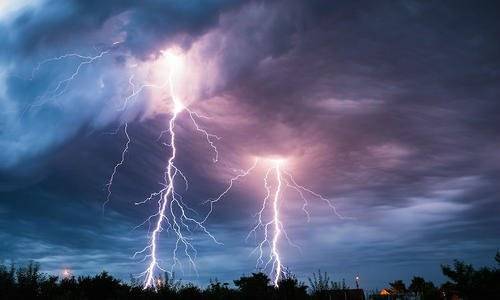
[417, 286]
[7, 280]
[319, 285]
[167, 286]
[28, 279]
[190, 291]
[470, 283]
[255, 286]
[101, 286]
[49, 288]
[398, 286]
[219, 291]
[425, 290]
[461, 276]
[291, 289]
[28, 282]
[322, 287]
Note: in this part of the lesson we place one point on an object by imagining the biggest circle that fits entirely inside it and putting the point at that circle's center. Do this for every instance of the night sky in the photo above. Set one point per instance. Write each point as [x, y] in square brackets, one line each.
[391, 109]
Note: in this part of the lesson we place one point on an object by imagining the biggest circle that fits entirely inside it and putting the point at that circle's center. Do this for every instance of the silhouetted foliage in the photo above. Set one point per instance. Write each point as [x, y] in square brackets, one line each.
[470, 283]
[319, 285]
[168, 287]
[7, 280]
[219, 291]
[424, 289]
[465, 283]
[190, 291]
[322, 287]
[417, 285]
[28, 282]
[398, 286]
[255, 286]
[339, 286]
[290, 288]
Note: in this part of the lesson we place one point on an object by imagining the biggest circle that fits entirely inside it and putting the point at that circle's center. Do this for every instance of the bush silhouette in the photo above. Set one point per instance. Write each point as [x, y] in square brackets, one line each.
[27, 282]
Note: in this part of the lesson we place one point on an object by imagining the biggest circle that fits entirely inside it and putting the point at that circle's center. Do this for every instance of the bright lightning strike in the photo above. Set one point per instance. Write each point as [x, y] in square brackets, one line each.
[277, 226]
[273, 228]
[269, 220]
[172, 211]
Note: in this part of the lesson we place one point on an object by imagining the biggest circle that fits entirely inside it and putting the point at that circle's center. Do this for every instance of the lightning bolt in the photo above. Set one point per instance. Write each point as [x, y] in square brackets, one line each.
[277, 227]
[172, 211]
[62, 85]
[269, 220]
[115, 169]
[136, 91]
[272, 228]
[213, 201]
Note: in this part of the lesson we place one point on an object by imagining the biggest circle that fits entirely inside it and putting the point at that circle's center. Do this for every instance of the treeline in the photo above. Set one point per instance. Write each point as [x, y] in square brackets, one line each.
[29, 283]
[464, 282]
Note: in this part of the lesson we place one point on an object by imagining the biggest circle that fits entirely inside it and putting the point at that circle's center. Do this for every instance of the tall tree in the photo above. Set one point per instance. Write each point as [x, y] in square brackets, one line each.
[255, 286]
[417, 285]
[461, 275]
[291, 289]
[398, 286]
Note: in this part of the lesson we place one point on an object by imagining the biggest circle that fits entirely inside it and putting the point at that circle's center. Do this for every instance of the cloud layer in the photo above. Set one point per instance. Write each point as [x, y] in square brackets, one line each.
[390, 109]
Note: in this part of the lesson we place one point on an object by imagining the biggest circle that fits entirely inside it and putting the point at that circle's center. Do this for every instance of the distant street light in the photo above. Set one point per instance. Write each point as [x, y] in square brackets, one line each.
[66, 273]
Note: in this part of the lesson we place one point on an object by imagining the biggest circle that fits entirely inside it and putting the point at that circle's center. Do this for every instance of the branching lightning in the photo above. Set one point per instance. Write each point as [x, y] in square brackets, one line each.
[269, 220]
[213, 201]
[62, 85]
[115, 169]
[172, 212]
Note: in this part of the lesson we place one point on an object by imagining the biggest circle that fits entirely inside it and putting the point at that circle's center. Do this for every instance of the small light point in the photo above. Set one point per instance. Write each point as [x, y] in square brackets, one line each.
[66, 273]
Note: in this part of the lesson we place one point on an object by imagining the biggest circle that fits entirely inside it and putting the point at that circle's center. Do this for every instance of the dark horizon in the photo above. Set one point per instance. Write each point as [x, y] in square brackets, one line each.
[464, 282]
[387, 109]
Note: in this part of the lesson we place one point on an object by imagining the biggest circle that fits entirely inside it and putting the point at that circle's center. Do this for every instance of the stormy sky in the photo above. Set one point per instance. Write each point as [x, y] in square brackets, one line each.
[388, 108]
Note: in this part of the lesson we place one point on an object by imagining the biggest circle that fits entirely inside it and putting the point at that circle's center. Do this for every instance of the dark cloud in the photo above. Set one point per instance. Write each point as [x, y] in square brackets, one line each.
[144, 24]
[390, 109]
[125, 30]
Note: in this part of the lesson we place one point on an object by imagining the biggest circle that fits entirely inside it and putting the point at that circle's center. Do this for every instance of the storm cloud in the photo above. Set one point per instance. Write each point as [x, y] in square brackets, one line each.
[390, 109]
